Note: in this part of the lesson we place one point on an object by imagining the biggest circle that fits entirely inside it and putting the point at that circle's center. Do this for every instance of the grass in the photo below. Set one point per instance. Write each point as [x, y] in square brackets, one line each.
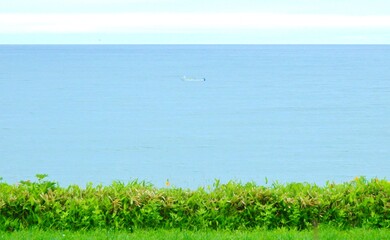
[175, 234]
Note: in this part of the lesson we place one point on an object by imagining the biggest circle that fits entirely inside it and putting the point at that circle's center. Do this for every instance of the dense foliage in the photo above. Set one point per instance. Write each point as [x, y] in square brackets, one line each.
[138, 205]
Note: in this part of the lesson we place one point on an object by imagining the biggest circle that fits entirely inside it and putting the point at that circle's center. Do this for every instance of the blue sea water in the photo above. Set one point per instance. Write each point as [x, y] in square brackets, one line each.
[98, 113]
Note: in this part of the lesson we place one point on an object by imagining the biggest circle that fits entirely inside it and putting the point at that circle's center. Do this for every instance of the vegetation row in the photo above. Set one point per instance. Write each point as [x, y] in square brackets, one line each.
[138, 205]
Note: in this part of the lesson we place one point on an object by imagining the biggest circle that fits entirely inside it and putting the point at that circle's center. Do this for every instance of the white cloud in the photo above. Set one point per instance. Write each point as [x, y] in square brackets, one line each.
[178, 22]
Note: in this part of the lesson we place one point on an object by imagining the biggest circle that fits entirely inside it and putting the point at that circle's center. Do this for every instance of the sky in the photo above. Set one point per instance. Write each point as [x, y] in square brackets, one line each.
[195, 22]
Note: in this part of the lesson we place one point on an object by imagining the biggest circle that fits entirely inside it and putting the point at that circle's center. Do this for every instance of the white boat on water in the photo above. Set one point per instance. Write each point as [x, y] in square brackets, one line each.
[190, 79]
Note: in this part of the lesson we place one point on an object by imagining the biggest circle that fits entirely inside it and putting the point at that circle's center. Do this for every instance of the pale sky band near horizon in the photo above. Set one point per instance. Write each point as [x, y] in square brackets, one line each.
[202, 22]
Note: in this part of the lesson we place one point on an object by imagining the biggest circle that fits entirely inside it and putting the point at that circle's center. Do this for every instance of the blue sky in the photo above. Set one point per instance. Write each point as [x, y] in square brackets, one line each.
[189, 21]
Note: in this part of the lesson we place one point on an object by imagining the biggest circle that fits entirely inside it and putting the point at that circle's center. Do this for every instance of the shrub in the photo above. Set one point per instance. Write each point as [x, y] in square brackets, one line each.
[44, 204]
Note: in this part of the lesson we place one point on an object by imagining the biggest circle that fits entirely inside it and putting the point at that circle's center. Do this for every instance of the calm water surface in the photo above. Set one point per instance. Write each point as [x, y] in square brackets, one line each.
[104, 113]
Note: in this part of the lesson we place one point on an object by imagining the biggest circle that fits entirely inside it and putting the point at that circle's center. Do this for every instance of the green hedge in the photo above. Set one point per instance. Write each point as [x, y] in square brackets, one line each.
[139, 205]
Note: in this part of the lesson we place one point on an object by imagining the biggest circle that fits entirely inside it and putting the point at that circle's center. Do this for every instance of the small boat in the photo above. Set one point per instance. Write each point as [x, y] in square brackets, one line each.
[190, 79]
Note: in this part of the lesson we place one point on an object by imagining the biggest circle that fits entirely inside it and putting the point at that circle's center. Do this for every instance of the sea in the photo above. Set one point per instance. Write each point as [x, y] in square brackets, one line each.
[191, 114]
